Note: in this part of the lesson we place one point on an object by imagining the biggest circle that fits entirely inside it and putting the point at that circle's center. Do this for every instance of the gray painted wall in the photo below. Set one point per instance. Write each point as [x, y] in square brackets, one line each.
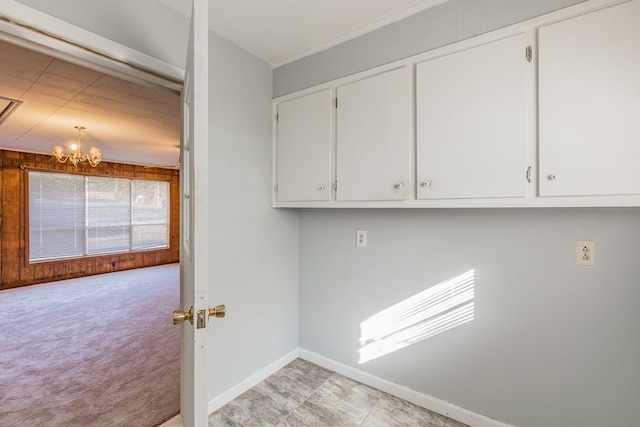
[436, 27]
[552, 344]
[254, 249]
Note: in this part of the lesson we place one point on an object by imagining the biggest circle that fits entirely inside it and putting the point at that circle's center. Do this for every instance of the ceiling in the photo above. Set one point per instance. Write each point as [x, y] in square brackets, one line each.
[280, 31]
[136, 124]
[130, 123]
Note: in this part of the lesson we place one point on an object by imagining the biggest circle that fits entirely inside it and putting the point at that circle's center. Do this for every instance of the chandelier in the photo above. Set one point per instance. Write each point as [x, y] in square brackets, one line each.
[75, 156]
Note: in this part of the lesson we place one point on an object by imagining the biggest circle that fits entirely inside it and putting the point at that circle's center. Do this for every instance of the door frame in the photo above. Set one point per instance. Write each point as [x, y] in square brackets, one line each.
[20, 24]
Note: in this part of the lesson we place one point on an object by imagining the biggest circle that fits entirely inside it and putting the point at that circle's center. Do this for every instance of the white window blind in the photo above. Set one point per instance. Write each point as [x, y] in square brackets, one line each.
[56, 215]
[149, 222]
[108, 214]
[74, 216]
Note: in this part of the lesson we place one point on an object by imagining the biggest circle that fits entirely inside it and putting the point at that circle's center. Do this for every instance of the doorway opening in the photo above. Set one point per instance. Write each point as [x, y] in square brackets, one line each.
[67, 88]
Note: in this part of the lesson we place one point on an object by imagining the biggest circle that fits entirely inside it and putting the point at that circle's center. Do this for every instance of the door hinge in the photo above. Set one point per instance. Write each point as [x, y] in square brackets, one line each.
[529, 53]
[336, 102]
[277, 117]
[529, 172]
[335, 186]
[275, 188]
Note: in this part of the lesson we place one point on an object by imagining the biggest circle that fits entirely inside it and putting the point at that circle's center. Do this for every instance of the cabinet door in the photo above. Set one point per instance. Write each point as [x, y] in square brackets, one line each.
[303, 162]
[471, 117]
[589, 118]
[374, 138]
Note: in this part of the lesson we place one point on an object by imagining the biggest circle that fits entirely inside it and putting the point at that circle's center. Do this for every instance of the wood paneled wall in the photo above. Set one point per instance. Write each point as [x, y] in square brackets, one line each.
[15, 269]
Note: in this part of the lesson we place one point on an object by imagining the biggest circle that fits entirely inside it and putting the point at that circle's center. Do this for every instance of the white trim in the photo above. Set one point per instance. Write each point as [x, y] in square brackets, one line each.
[431, 403]
[253, 380]
[530, 201]
[352, 34]
[79, 45]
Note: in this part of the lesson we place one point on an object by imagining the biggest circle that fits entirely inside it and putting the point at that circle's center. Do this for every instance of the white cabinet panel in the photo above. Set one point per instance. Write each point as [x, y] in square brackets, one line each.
[303, 162]
[589, 111]
[374, 138]
[471, 121]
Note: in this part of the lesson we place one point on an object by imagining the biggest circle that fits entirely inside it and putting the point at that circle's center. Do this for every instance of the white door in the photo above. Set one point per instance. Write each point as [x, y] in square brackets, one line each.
[194, 263]
[304, 148]
[471, 121]
[589, 92]
[374, 138]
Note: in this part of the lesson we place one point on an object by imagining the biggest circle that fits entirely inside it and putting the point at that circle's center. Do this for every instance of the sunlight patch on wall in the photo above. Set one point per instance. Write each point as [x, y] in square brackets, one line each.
[430, 312]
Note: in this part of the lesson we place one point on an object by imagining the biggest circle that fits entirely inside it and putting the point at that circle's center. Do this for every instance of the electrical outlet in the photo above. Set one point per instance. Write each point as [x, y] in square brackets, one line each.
[585, 252]
[361, 238]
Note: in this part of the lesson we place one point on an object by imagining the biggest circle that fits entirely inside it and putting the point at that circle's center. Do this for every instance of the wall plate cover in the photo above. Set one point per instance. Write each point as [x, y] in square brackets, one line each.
[361, 238]
[585, 252]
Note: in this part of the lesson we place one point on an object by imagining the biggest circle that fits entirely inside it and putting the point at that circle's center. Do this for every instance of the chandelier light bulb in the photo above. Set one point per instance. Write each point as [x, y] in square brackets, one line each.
[75, 156]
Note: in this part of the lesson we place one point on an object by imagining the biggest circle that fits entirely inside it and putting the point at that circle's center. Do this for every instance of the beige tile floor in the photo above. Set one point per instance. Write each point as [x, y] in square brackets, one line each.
[305, 395]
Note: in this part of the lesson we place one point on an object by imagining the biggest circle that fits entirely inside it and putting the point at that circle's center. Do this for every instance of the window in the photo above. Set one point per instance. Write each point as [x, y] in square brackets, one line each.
[73, 215]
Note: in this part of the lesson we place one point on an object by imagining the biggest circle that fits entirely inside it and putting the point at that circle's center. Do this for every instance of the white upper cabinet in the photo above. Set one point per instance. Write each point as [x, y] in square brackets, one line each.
[303, 150]
[374, 138]
[471, 122]
[589, 103]
[544, 113]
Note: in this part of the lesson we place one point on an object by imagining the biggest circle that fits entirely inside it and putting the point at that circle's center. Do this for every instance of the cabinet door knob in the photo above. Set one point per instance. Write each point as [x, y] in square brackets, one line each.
[552, 177]
[425, 184]
[398, 186]
[321, 188]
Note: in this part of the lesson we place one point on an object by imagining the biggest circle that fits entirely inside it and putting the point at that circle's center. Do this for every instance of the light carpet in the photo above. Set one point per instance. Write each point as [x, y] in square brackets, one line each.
[95, 351]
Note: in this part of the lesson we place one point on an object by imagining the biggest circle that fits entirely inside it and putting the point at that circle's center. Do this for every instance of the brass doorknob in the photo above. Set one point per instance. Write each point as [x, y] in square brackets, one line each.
[218, 311]
[180, 316]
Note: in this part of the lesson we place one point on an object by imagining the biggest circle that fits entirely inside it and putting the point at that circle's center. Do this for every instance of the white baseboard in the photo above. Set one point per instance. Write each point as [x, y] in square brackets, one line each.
[250, 382]
[429, 402]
